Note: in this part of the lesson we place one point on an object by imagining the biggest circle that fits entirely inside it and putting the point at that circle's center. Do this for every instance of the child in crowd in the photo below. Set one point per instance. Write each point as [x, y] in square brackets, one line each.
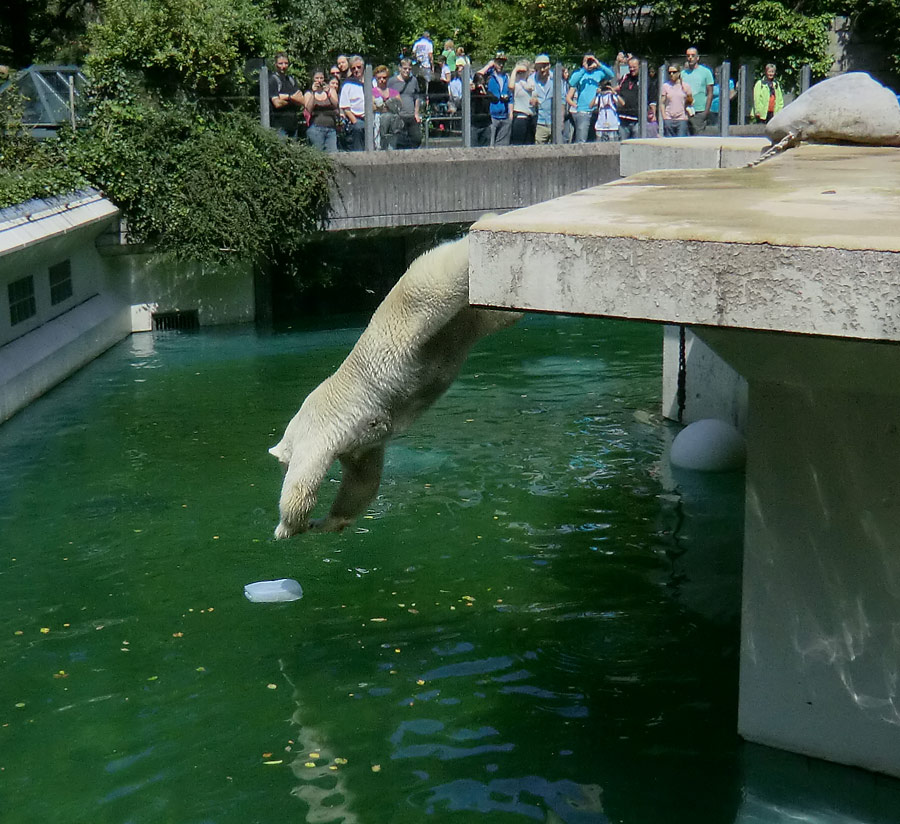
[607, 104]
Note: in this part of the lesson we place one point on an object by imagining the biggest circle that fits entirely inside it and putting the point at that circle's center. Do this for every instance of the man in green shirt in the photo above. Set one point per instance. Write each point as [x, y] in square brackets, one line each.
[701, 81]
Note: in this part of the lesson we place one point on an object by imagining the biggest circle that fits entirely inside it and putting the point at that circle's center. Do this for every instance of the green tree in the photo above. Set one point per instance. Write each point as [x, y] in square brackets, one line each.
[194, 175]
[192, 46]
[791, 36]
[45, 31]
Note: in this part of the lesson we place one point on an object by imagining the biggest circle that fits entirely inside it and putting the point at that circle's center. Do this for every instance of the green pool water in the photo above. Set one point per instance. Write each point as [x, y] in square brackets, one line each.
[536, 621]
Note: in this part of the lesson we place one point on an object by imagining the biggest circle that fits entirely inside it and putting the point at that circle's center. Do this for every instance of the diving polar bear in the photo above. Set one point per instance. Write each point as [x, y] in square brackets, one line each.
[407, 357]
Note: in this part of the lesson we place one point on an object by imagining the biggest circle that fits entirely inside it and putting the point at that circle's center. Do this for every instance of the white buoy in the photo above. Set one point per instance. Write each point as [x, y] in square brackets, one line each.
[284, 589]
[709, 445]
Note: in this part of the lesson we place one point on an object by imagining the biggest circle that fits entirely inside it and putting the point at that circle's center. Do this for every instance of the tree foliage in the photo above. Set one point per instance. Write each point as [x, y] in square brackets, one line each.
[784, 34]
[191, 45]
[205, 186]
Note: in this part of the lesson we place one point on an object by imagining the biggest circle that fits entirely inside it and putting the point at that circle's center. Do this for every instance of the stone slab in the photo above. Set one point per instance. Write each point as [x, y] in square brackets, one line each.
[806, 242]
[702, 152]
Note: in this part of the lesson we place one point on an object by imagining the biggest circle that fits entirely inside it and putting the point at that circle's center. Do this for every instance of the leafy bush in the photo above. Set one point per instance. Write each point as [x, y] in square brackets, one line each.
[201, 185]
[28, 168]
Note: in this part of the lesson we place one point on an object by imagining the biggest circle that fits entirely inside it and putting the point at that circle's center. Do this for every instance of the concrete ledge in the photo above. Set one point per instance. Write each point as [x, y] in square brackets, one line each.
[422, 186]
[689, 153]
[780, 246]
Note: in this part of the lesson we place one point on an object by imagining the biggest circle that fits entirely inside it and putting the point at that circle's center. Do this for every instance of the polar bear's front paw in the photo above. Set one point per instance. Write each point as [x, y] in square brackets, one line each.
[283, 531]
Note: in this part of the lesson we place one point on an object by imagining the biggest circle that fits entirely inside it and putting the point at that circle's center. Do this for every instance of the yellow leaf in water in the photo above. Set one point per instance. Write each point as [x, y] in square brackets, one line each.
[376, 768]
[310, 764]
[272, 763]
[314, 755]
[420, 682]
[267, 755]
[272, 686]
[378, 620]
[45, 630]
[332, 767]
[340, 760]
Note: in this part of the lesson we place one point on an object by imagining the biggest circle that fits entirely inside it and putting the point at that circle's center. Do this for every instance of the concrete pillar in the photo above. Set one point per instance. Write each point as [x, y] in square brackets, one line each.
[820, 649]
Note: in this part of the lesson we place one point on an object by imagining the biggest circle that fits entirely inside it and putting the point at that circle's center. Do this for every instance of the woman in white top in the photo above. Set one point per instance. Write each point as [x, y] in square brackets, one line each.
[523, 125]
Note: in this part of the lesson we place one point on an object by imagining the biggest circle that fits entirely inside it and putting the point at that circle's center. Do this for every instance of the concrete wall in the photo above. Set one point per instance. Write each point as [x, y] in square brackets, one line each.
[219, 294]
[38, 352]
[423, 186]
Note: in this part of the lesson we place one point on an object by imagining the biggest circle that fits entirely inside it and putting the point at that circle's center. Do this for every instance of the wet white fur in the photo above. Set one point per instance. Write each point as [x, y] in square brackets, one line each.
[409, 354]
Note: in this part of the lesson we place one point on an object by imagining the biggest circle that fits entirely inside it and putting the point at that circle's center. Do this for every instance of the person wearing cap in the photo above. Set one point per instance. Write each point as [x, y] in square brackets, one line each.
[542, 81]
[583, 87]
[497, 85]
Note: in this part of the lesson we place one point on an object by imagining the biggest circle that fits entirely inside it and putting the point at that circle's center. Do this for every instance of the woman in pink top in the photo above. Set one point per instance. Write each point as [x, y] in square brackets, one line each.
[674, 101]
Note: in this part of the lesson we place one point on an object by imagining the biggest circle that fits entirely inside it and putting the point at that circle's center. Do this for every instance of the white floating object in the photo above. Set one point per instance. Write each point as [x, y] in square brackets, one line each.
[709, 445]
[269, 592]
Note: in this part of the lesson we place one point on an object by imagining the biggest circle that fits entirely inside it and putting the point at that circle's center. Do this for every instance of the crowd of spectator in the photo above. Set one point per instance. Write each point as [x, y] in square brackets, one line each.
[602, 102]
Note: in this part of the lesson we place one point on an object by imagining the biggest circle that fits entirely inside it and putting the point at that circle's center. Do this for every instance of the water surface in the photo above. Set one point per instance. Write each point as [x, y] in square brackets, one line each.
[534, 621]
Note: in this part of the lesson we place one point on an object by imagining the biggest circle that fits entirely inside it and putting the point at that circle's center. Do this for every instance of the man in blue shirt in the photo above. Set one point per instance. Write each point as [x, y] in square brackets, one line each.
[701, 81]
[583, 86]
[498, 90]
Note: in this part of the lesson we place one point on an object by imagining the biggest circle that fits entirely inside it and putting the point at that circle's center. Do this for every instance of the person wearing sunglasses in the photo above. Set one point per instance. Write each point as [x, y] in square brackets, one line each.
[674, 101]
[353, 106]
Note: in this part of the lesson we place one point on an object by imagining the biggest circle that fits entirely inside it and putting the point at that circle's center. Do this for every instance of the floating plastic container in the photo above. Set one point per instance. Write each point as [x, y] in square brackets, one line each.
[270, 592]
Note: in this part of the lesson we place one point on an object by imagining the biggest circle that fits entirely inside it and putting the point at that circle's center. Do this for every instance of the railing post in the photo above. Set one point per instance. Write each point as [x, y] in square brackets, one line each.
[744, 91]
[724, 98]
[661, 78]
[264, 96]
[558, 114]
[643, 98]
[805, 78]
[72, 101]
[467, 106]
[369, 108]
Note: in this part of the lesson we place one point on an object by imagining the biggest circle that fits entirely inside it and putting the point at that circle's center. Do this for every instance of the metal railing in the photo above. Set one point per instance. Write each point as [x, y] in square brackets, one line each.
[462, 135]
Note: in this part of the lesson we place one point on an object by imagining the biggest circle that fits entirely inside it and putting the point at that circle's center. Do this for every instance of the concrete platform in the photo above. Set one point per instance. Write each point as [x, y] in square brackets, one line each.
[778, 247]
[790, 271]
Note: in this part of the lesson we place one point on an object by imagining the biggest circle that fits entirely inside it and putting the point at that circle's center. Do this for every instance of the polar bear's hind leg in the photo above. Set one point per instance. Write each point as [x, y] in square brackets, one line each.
[360, 479]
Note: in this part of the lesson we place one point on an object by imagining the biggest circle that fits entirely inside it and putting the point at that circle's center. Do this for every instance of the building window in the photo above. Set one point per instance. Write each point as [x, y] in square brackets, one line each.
[21, 300]
[60, 282]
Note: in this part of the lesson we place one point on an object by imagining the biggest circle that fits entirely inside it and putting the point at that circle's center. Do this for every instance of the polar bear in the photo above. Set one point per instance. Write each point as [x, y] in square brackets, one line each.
[408, 355]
